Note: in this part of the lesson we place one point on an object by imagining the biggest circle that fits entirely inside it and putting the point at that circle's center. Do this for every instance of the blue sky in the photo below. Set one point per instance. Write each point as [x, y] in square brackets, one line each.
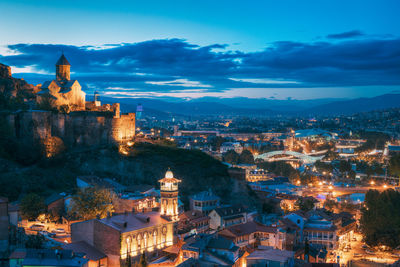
[272, 49]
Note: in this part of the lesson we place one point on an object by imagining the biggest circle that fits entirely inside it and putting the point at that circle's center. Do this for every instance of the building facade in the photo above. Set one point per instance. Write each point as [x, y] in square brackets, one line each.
[63, 91]
[205, 202]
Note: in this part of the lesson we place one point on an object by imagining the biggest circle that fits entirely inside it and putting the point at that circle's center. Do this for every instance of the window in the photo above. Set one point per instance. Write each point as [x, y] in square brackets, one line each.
[155, 238]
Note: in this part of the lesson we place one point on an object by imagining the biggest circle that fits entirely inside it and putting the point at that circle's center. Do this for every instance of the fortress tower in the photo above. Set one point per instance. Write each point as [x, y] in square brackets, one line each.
[169, 196]
[63, 69]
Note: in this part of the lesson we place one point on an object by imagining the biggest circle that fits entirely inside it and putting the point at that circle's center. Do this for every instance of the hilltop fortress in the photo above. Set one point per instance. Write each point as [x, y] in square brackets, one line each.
[77, 123]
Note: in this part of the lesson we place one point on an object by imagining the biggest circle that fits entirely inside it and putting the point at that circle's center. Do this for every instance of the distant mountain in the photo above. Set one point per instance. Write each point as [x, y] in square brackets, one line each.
[267, 103]
[187, 108]
[357, 105]
[255, 107]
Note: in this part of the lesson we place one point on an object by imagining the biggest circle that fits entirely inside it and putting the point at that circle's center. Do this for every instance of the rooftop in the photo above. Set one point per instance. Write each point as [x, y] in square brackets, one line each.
[205, 196]
[63, 61]
[134, 221]
[230, 211]
[48, 257]
[83, 247]
[271, 255]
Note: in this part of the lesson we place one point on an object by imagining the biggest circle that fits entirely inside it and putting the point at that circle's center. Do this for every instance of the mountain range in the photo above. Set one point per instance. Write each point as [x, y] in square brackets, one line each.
[256, 107]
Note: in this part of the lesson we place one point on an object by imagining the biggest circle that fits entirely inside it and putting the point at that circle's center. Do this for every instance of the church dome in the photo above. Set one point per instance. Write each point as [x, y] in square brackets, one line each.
[169, 174]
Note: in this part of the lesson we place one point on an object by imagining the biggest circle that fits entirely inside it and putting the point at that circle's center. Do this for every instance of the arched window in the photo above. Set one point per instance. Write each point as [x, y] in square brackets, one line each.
[139, 241]
[145, 239]
[155, 238]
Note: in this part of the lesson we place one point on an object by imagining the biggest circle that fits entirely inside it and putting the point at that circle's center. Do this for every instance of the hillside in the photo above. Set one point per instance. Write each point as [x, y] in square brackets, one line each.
[357, 105]
[145, 164]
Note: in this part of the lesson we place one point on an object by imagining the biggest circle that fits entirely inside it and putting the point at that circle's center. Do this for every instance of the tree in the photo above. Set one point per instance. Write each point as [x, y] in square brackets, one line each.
[380, 218]
[142, 261]
[92, 202]
[304, 204]
[47, 103]
[268, 207]
[394, 165]
[35, 241]
[231, 157]
[246, 157]
[216, 142]
[331, 155]
[344, 166]
[330, 204]
[32, 205]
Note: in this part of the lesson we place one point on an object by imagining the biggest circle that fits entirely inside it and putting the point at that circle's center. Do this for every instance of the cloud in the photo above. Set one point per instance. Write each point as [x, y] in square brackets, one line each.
[345, 35]
[175, 65]
[264, 81]
[181, 82]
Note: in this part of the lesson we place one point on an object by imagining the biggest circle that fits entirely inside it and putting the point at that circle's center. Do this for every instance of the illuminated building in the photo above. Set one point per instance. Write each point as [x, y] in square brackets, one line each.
[169, 196]
[139, 111]
[227, 216]
[257, 175]
[63, 91]
[126, 235]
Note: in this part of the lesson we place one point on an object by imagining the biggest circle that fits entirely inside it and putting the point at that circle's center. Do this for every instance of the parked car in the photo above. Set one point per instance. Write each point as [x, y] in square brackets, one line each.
[36, 227]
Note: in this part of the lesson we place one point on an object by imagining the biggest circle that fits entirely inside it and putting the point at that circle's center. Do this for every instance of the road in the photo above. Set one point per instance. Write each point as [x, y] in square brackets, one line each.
[338, 191]
[357, 252]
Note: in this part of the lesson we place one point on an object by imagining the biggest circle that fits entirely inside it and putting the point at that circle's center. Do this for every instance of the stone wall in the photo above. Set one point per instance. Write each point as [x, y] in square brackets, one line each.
[76, 129]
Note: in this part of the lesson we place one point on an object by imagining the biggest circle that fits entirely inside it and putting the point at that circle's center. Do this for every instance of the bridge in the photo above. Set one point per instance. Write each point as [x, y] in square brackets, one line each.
[303, 157]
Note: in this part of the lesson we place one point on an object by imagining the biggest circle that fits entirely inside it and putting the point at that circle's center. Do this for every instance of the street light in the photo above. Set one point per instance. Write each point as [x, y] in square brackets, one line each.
[384, 186]
[372, 182]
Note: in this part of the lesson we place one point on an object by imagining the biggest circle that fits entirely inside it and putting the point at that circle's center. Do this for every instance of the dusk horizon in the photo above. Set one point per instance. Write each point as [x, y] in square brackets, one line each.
[321, 51]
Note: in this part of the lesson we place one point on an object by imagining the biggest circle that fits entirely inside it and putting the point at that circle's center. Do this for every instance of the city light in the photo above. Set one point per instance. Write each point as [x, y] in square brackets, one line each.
[372, 182]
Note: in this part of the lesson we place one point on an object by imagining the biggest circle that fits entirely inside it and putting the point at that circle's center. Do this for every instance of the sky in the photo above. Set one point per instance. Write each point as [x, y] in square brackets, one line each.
[286, 49]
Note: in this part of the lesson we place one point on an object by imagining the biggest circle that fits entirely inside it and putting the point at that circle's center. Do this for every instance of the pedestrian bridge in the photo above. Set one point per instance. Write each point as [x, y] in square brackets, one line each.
[303, 157]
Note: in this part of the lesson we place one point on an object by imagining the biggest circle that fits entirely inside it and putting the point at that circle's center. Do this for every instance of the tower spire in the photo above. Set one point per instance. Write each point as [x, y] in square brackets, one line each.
[63, 68]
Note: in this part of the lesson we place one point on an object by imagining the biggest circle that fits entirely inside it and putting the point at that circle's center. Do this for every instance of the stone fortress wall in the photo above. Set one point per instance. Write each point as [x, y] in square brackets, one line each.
[73, 130]
[92, 124]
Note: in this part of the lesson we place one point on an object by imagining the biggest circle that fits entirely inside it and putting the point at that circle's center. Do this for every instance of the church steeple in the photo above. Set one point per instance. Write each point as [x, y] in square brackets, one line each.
[63, 69]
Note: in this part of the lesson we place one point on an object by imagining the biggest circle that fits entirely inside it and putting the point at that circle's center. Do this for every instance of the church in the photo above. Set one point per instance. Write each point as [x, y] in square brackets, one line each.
[63, 91]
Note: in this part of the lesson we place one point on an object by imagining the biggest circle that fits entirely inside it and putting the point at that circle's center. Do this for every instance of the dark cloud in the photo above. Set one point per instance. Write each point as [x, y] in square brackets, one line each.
[174, 64]
[345, 35]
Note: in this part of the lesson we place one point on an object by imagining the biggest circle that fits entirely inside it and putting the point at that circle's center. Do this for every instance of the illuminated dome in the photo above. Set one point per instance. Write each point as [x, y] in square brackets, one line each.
[169, 174]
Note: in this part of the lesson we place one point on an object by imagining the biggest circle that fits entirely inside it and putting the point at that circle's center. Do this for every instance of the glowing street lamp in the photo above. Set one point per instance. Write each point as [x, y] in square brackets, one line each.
[372, 182]
[330, 187]
[384, 186]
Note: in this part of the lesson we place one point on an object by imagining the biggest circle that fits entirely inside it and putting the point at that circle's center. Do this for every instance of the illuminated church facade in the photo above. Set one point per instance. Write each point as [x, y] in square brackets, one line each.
[63, 91]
